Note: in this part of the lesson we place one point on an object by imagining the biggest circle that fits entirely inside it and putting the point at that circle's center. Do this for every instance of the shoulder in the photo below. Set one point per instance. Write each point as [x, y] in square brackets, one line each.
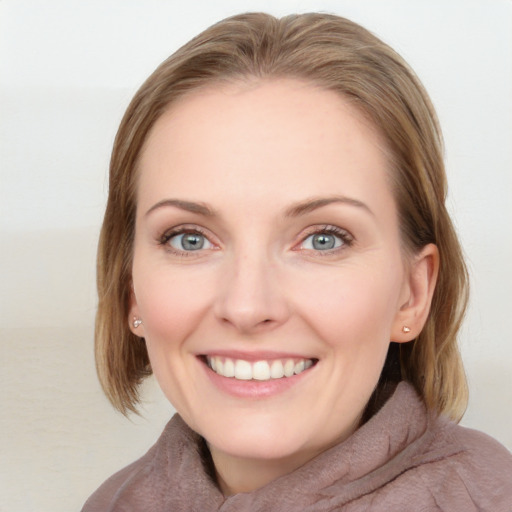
[140, 485]
[480, 454]
[447, 468]
[119, 485]
[485, 464]
[464, 466]
[433, 463]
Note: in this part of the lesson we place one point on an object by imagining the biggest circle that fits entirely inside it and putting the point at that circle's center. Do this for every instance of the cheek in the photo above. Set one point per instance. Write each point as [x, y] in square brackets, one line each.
[170, 303]
[352, 307]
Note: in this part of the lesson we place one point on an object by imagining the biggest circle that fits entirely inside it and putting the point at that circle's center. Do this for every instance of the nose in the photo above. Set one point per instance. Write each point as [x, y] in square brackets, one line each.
[250, 297]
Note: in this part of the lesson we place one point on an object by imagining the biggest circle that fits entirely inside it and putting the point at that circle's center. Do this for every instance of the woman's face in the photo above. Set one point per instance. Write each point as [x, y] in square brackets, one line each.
[267, 247]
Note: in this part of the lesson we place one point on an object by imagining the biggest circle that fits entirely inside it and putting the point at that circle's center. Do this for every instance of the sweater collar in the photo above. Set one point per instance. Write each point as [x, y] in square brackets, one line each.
[376, 453]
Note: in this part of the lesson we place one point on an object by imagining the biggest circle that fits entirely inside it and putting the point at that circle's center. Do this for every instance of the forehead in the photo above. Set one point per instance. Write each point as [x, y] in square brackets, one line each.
[284, 137]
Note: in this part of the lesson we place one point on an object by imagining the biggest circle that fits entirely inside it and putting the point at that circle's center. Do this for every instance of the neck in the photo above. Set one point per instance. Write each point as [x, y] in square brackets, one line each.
[237, 474]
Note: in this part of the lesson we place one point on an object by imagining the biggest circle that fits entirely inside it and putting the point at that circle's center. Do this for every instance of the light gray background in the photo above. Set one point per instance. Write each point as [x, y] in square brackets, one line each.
[67, 71]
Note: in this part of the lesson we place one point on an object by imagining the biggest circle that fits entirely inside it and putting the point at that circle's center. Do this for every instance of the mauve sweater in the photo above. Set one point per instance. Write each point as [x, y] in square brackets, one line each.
[402, 459]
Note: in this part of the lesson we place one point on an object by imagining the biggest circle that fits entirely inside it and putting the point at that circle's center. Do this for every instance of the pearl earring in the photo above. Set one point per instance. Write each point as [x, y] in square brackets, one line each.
[406, 329]
[136, 322]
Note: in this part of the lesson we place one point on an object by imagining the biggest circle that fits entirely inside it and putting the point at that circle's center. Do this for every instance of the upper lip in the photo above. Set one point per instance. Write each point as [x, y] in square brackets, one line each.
[261, 355]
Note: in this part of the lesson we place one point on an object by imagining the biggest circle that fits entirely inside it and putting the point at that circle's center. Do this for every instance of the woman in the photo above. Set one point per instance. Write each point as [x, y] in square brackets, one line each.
[276, 249]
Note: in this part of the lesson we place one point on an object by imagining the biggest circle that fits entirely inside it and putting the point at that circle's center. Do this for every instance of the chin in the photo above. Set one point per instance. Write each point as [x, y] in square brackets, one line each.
[251, 448]
[263, 440]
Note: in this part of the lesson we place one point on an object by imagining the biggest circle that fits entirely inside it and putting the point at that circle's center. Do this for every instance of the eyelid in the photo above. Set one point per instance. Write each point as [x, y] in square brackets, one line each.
[345, 236]
[178, 230]
[182, 229]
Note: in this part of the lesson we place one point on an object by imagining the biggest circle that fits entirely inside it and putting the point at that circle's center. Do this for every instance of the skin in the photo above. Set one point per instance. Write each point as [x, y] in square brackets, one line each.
[253, 152]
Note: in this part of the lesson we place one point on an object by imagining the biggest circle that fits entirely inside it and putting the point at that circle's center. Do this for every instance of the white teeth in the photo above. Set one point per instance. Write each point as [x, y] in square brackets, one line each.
[289, 368]
[243, 370]
[276, 369]
[259, 370]
[229, 368]
[299, 367]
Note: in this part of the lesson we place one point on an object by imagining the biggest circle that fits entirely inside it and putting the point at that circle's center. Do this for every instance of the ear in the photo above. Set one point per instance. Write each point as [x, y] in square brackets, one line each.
[133, 315]
[417, 294]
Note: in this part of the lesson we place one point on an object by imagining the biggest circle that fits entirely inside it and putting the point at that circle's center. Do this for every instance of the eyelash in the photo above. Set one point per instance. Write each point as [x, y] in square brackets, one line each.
[182, 230]
[346, 238]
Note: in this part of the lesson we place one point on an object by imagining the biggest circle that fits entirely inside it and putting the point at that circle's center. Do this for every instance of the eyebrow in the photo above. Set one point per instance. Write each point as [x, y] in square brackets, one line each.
[313, 204]
[295, 210]
[189, 206]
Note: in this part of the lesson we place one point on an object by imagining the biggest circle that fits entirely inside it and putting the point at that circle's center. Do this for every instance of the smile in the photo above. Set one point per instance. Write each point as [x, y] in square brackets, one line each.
[240, 369]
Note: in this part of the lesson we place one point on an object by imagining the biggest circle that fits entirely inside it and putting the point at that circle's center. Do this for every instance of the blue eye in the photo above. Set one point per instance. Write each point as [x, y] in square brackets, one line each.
[323, 241]
[189, 242]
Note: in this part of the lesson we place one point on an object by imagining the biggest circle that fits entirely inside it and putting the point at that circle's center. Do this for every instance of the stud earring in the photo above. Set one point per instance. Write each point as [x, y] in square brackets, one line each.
[136, 322]
[406, 329]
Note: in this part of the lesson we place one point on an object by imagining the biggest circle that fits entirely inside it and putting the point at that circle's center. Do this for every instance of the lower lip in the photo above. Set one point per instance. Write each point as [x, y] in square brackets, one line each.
[253, 388]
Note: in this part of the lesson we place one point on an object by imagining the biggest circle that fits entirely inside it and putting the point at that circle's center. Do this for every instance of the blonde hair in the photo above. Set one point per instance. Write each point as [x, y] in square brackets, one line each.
[338, 55]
